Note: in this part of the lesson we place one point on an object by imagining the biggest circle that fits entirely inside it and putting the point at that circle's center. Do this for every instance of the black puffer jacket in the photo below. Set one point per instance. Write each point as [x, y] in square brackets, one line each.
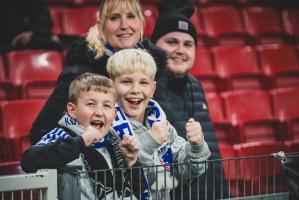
[184, 98]
[80, 59]
[181, 99]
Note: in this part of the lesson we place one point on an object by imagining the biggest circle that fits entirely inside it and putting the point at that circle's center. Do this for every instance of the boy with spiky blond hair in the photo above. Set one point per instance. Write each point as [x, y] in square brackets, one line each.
[133, 72]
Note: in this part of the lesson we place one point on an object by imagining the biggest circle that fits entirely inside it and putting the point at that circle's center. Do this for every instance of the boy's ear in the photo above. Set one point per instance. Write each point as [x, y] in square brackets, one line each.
[71, 109]
[154, 85]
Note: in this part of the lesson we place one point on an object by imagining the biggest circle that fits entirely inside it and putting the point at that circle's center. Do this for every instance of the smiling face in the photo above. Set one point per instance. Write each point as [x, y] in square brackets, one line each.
[133, 92]
[93, 108]
[180, 48]
[122, 27]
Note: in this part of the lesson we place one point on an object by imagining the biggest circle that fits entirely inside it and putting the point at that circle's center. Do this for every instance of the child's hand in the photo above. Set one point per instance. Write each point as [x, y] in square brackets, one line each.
[129, 146]
[160, 131]
[92, 135]
[194, 132]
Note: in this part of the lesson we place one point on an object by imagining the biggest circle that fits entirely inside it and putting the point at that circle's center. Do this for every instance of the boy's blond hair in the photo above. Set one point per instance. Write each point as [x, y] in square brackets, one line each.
[95, 36]
[129, 61]
[90, 81]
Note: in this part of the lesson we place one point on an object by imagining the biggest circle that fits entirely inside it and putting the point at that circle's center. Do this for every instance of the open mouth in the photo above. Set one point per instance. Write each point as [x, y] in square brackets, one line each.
[124, 36]
[134, 101]
[97, 124]
[178, 59]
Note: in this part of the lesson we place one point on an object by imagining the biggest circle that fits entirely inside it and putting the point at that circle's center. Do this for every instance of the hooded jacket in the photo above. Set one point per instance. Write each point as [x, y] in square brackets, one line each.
[174, 150]
[80, 59]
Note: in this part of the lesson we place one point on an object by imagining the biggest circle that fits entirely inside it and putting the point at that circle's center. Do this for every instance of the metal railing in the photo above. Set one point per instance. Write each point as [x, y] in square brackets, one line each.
[254, 177]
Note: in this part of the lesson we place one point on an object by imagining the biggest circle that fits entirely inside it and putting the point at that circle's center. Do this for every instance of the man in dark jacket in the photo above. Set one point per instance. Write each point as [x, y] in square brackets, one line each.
[182, 94]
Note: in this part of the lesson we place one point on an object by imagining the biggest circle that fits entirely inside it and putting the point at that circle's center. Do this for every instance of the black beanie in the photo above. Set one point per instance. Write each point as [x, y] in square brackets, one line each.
[174, 16]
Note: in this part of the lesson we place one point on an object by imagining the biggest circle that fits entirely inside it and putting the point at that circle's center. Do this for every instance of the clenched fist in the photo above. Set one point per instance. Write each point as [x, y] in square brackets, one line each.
[160, 131]
[129, 146]
[92, 135]
[194, 132]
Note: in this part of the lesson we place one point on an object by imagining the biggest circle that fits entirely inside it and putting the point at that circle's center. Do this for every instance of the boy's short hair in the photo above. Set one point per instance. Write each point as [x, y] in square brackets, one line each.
[90, 81]
[131, 60]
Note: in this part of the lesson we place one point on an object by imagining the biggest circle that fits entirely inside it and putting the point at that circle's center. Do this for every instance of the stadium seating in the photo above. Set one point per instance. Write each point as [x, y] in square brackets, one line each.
[16, 121]
[13, 167]
[258, 175]
[286, 110]
[197, 21]
[223, 25]
[290, 21]
[5, 87]
[250, 113]
[238, 67]
[56, 19]
[150, 14]
[70, 3]
[280, 64]
[257, 23]
[77, 21]
[203, 69]
[220, 123]
[34, 72]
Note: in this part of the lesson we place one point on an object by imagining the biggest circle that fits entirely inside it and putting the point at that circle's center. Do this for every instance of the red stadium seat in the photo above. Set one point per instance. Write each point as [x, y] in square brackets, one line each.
[66, 3]
[17, 118]
[250, 113]
[291, 21]
[6, 91]
[9, 168]
[34, 72]
[150, 14]
[223, 25]
[77, 21]
[56, 19]
[196, 20]
[258, 173]
[286, 110]
[203, 70]
[229, 165]
[280, 64]
[238, 67]
[220, 123]
[264, 24]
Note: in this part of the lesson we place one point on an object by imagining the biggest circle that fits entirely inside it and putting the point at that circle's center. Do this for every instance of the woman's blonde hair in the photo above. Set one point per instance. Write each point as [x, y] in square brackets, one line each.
[129, 61]
[90, 81]
[95, 36]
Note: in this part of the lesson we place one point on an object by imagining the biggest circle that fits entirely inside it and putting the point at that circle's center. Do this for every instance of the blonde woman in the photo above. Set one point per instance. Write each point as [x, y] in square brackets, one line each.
[119, 26]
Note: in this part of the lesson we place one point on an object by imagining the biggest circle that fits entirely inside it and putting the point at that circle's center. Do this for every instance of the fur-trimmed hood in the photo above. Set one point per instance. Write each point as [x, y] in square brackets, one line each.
[79, 53]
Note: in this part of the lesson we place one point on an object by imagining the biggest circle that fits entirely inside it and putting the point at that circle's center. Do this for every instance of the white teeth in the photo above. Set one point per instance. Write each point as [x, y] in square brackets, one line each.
[124, 35]
[134, 99]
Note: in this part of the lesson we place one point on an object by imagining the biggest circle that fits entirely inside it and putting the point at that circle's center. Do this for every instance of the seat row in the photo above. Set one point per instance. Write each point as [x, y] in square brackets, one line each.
[16, 118]
[215, 25]
[255, 116]
[33, 73]
[79, 3]
[238, 117]
[231, 25]
[224, 68]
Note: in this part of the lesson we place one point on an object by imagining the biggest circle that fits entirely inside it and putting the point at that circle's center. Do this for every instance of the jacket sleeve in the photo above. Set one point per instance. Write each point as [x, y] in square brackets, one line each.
[52, 155]
[185, 152]
[53, 109]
